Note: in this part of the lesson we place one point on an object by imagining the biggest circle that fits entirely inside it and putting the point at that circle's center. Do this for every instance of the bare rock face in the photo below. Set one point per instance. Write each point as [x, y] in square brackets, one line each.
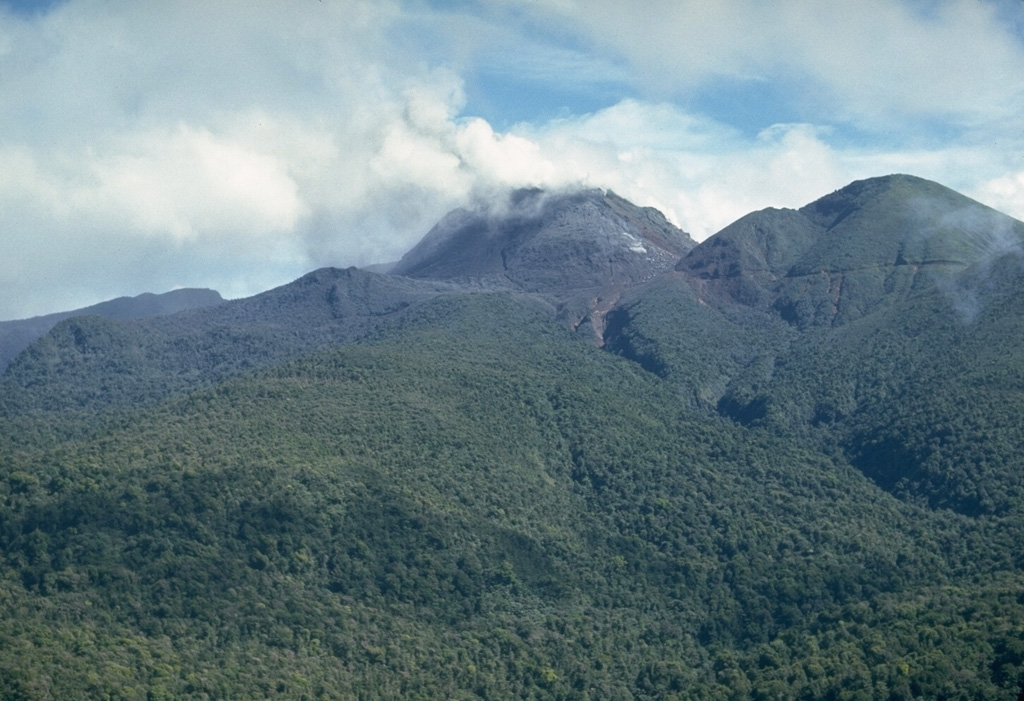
[582, 250]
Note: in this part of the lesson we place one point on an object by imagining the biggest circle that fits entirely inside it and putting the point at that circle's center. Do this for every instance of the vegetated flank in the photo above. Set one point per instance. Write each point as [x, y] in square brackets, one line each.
[782, 463]
[16, 336]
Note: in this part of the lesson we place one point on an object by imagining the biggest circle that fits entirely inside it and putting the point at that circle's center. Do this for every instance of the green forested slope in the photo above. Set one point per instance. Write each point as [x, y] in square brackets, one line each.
[476, 504]
[889, 335]
[924, 399]
[18, 334]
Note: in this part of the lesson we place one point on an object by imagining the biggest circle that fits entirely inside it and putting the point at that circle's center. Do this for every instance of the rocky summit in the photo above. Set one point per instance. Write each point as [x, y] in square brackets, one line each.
[582, 250]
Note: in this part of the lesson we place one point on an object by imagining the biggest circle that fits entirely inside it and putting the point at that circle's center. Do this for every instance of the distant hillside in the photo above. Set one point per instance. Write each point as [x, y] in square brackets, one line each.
[17, 335]
[93, 362]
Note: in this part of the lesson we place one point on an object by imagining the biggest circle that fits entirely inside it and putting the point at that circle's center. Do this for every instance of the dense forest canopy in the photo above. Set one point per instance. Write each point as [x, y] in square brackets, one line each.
[782, 463]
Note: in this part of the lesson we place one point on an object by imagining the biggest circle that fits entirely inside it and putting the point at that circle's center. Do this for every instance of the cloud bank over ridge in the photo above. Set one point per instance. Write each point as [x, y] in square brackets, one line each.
[146, 146]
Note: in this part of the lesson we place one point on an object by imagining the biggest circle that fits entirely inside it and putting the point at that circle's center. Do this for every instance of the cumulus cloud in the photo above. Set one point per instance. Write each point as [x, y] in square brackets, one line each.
[187, 182]
[867, 62]
[1005, 193]
[145, 146]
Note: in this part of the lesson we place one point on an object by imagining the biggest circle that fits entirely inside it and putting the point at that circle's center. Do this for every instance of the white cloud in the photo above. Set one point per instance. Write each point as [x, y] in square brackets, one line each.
[704, 175]
[145, 146]
[505, 160]
[660, 156]
[1004, 193]
[865, 62]
[184, 183]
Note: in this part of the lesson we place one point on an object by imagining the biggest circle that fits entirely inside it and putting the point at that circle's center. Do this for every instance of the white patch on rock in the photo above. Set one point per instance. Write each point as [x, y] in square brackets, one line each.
[634, 244]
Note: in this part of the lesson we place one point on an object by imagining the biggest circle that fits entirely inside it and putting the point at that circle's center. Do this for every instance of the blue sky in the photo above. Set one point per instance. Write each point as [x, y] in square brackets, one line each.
[238, 145]
[30, 7]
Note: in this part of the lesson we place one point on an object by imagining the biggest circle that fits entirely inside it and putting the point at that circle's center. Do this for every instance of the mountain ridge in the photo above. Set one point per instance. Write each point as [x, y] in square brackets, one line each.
[875, 235]
[769, 262]
[18, 334]
[647, 481]
[148, 359]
